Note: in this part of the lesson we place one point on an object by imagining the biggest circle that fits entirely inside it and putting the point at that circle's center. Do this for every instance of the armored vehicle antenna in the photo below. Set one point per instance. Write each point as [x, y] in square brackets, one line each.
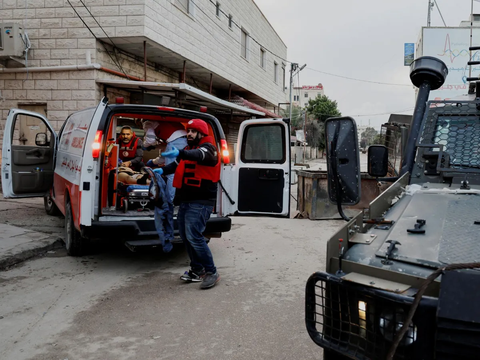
[427, 73]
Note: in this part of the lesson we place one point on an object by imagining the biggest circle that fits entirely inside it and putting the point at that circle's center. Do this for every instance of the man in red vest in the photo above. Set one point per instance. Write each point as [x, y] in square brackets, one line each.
[130, 152]
[197, 172]
[172, 134]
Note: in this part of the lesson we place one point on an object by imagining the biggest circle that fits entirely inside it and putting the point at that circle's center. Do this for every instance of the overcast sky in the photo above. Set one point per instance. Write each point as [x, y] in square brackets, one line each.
[359, 39]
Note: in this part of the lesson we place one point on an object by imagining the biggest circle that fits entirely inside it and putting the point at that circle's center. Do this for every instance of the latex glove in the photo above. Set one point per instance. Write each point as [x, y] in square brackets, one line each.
[172, 153]
[150, 163]
[120, 161]
[158, 171]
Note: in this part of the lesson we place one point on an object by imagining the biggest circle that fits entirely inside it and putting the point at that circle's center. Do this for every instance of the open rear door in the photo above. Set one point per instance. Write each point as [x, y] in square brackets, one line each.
[261, 174]
[28, 154]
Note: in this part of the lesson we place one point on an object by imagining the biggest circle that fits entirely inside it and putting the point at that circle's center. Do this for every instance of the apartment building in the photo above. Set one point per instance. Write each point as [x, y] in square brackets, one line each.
[59, 56]
[302, 94]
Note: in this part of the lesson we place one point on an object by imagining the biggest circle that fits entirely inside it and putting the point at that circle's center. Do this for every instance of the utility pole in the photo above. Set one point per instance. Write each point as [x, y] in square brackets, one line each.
[429, 14]
[293, 67]
[304, 134]
[294, 70]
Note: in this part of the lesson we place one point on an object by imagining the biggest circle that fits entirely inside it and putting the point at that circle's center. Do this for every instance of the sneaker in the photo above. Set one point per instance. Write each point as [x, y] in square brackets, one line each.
[192, 276]
[209, 280]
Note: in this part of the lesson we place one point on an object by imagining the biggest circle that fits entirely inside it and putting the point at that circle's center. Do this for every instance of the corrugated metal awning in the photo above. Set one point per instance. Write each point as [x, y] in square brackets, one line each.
[193, 95]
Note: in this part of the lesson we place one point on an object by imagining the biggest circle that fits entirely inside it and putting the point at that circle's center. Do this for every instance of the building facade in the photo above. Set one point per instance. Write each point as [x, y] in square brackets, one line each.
[184, 53]
[302, 94]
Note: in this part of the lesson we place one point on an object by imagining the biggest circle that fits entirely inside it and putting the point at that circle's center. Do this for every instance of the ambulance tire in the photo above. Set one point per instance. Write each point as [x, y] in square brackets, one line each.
[74, 242]
[50, 207]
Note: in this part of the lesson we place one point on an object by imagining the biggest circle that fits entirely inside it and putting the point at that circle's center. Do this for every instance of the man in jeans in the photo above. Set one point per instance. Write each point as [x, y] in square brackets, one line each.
[197, 172]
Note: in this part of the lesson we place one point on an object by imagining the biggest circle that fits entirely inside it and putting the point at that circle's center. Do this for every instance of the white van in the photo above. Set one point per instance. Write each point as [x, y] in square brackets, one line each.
[76, 170]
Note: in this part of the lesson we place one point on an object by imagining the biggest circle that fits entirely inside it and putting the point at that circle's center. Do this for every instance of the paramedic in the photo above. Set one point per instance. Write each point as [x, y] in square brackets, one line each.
[171, 133]
[197, 172]
[130, 152]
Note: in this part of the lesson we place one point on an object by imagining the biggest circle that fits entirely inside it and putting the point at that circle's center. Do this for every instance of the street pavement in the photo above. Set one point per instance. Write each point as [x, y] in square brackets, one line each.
[18, 244]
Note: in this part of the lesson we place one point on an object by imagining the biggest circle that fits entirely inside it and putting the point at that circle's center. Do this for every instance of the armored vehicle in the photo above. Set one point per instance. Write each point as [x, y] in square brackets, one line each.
[401, 279]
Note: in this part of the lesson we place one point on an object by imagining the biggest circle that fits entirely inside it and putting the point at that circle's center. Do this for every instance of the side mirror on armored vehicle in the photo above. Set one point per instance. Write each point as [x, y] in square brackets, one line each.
[343, 162]
[377, 160]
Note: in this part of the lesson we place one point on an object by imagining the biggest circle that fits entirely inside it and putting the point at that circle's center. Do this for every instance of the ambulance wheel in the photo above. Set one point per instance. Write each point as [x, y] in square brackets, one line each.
[74, 242]
[125, 205]
[50, 207]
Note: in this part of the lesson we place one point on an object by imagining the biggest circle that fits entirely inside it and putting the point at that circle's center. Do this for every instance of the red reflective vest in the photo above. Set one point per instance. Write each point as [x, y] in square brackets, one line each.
[191, 173]
[128, 151]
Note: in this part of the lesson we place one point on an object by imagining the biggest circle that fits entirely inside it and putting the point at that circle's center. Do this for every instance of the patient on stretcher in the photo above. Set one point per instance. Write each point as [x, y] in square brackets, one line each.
[128, 176]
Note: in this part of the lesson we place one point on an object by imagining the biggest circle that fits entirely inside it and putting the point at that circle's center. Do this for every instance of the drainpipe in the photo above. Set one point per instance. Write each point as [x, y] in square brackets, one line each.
[51, 68]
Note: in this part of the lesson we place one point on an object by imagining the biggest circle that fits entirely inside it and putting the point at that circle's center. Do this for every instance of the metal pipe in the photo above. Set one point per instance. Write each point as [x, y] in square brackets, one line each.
[420, 106]
[52, 68]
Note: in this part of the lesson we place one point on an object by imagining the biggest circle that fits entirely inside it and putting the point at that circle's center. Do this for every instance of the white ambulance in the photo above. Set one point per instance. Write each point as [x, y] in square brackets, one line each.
[76, 170]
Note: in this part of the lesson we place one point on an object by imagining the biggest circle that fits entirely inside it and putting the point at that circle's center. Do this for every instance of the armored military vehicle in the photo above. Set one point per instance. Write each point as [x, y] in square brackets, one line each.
[401, 279]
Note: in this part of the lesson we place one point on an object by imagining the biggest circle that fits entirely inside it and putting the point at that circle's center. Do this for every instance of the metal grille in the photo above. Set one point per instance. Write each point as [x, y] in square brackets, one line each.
[357, 321]
[453, 128]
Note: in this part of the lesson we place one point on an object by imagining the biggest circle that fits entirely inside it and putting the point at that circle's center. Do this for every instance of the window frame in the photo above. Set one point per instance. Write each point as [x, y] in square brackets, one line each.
[275, 72]
[265, 161]
[244, 49]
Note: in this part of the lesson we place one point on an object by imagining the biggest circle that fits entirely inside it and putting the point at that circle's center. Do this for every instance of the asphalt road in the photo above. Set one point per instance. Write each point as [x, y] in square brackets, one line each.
[115, 304]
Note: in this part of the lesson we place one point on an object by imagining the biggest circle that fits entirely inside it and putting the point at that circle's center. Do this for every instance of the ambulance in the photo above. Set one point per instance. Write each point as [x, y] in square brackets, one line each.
[76, 170]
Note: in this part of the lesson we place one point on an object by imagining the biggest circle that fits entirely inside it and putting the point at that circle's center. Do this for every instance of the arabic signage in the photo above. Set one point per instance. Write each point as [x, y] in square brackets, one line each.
[409, 54]
[451, 46]
[314, 87]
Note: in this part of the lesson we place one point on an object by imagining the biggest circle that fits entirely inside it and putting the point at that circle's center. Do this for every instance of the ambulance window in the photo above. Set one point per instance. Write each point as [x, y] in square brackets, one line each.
[263, 144]
[31, 131]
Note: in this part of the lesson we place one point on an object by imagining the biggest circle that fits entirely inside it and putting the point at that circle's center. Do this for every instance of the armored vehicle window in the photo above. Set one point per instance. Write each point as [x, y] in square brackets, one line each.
[460, 137]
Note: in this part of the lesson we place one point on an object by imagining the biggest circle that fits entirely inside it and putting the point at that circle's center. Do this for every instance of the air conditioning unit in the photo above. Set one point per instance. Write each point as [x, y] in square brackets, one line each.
[11, 40]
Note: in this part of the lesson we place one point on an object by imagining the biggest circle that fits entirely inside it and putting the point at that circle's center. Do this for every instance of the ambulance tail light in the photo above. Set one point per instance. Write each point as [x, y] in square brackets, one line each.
[97, 144]
[225, 152]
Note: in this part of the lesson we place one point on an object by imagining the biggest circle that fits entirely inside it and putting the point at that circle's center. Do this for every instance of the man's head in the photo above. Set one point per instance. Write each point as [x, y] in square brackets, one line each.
[126, 134]
[196, 130]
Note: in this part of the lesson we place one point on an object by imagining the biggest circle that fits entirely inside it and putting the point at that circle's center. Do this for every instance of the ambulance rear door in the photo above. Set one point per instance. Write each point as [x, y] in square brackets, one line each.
[259, 181]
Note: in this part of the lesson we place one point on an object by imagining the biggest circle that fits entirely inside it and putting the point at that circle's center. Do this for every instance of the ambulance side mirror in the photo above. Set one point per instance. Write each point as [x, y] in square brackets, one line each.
[41, 139]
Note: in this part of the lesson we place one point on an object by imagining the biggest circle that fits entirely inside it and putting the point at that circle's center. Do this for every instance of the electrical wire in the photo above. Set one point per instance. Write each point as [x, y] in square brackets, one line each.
[251, 51]
[438, 8]
[113, 44]
[238, 26]
[84, 23]
[354, 79]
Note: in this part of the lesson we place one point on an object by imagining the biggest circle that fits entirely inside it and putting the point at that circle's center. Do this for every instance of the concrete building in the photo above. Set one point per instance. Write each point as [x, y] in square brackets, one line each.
[59, 56]
[451, 45]
[302, 94]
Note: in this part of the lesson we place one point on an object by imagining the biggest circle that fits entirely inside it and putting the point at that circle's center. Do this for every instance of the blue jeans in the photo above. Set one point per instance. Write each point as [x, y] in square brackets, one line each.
[180, 144]
[164, 215]
[192, 218]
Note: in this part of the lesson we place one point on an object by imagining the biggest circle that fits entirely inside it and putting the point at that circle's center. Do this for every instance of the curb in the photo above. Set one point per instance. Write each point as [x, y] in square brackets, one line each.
[24, 255]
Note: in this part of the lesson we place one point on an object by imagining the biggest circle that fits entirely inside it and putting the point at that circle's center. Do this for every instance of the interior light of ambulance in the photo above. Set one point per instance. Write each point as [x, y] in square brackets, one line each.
[203, 109]
[225, 152]
[97, 144]
[119, 100]
[164, 108]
